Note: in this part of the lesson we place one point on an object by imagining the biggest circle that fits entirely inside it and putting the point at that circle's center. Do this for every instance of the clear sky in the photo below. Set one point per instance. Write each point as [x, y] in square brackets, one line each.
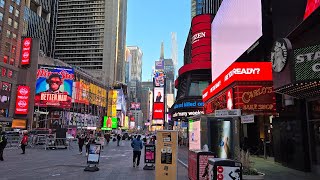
[149, 22]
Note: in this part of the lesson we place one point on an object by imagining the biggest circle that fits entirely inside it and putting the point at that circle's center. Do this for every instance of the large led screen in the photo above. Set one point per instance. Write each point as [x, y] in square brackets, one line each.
[237, 25]
[194, 135]
[54, 86]
[158, 94]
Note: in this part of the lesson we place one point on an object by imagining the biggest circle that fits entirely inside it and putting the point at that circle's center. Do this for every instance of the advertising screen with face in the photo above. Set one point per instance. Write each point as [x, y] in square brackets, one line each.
[237, 26]
[194, 135]
[158, 94]
[54, 86]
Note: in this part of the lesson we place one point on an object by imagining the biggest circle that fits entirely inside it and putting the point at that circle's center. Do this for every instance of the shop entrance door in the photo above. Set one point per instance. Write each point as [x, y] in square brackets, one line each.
[314, 127]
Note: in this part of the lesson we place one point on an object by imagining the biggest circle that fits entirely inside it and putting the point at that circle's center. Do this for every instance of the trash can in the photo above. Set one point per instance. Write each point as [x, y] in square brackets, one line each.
[224, 169]
[198, 164]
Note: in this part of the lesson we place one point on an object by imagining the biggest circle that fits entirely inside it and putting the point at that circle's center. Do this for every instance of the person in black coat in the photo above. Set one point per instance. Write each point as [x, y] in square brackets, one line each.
[3, 143]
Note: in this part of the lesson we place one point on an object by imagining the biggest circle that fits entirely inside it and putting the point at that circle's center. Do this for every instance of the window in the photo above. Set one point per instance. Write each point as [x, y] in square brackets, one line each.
[14, 36]
[5, 59]
[11, 61]
[197, 87]
[8, 34]
[10, 73]
[15, 24]
[13, 49]
[1, 16]
[4, 72]
[7, 47]
[11, 9]
[6, 86]
[16, 13]
[10, 21]
[2, 3]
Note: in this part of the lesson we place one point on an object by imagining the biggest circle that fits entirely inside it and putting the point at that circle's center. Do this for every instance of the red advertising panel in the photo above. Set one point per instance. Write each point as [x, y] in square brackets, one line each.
[201, 38]
[312, 5]
[255, 99]
[192, 165]
[26, 51]
[216, 103]
[239, 71]
[22, 101]
[158, 111]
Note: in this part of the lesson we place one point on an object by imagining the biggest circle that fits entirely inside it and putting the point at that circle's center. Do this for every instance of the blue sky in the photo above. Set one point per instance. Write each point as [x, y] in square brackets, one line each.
[149, 22]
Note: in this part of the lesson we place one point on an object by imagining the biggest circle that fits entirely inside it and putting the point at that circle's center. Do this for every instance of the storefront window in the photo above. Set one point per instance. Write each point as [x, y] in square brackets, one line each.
[197, 87]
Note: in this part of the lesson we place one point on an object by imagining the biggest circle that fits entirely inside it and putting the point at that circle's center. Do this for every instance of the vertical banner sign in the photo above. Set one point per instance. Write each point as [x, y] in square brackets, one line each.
[166, 155]
[150, 153]
[22, 101]
[26, 51]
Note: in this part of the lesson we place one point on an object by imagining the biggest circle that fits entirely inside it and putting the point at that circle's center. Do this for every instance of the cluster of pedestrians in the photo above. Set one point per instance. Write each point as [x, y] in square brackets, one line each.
[87, 139]
[4, 141]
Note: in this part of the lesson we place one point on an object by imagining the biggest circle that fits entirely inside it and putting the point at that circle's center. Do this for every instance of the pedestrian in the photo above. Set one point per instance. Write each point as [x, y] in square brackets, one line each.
[90, 140]
[137, 146]
[118, 138]
[81, 140]
[179, 140]
[100, 140]
[107, 136]
[3, 143]
[24, 142]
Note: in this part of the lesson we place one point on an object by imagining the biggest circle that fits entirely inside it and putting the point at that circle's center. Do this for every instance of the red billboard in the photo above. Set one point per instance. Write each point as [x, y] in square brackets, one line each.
[22, 101]
[201, 38]
[312, 5]
[239, 71]
[158, 110]
[26, 51]
[255, 98]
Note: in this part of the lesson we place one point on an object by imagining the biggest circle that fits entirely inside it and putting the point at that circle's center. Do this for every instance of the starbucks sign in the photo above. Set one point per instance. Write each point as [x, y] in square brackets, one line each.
[307, 63]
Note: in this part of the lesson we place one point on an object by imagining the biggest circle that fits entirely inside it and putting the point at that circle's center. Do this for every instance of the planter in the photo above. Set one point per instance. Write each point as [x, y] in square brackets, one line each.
[253, 177]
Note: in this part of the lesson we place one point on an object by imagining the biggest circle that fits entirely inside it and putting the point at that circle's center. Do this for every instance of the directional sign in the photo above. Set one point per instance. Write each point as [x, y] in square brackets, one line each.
[227, 113]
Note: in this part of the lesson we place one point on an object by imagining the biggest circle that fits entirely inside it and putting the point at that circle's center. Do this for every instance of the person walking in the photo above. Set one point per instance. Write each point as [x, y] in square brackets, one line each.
[3, 143]
[100, 140]
[107, 137]
[90, 140]
[81, 140]
[137, 146]
[24, 142]
[118, 139]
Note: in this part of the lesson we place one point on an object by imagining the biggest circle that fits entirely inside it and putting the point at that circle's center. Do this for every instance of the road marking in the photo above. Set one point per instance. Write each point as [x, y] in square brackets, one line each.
[184, 164]
[55, 175]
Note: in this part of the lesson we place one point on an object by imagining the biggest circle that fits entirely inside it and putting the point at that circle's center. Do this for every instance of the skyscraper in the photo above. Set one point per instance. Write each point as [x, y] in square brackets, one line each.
[136, 73]
[174, 49]
[91, 35]
[204, 7]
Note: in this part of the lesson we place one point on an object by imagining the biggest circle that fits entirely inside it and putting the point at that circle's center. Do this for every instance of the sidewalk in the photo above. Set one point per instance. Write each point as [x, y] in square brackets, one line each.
[272, 170]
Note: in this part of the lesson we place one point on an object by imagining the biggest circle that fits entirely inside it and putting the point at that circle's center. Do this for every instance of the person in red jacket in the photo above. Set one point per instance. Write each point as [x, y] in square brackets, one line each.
[24, 142]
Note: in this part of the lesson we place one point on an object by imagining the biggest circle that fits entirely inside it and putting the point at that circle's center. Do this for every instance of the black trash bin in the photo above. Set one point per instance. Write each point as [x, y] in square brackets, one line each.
[224, 169]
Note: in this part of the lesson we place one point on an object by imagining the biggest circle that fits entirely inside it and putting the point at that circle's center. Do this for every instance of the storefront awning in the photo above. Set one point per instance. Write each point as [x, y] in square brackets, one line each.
[301, 90]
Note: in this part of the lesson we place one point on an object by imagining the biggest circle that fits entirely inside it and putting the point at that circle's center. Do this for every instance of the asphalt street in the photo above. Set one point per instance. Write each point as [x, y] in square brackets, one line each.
[40, 164]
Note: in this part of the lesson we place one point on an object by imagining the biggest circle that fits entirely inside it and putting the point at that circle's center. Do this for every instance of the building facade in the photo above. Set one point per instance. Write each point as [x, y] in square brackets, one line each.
[92, 37]
[204, 7]
[136, 73]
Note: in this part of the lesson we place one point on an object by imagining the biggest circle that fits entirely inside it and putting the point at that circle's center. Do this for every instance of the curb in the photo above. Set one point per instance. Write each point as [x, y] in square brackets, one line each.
[184, 164]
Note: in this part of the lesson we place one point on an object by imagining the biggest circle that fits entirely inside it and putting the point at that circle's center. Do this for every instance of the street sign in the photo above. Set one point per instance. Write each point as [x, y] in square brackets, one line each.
[247, 119]
[227, 113]
[41, 112]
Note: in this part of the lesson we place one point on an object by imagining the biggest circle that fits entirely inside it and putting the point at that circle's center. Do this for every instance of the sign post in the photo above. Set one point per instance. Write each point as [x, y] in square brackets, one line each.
[93, 157]
[166, 155]
[149, 156]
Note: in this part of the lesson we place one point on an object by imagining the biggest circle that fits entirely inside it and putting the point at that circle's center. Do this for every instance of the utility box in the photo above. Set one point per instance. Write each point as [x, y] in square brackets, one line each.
[198, 165]
[224, 169]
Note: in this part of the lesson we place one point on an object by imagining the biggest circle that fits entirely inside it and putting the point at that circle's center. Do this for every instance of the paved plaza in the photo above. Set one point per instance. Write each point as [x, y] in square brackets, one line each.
[40, 164]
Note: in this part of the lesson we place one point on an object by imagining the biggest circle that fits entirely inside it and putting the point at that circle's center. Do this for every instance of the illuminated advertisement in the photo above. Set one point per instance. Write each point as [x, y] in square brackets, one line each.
[126, 123]
[221, 138]
[135, 106]
[159, 79]
[158, 94]
[158, 111]
[201, 38]
[112, 103]
[54, 86]
[84, 91]
[119, 99]
[236, 27]
[194, 135]
[19, 124]
[229, 96]
[26, 51]
[255, 98]
[159, 65]
[107, 123]
[239, 71]
[114, 122]
[157, 121]
[22, 101]
[312, 5]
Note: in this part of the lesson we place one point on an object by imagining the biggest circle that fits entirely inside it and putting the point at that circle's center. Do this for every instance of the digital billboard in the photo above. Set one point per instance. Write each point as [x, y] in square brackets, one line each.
[112, 103]
[158, 94]
[22, 101]
[194, 135]
[84, 91]
[158, 111]
[159, 65]
[312, 5]
[26, 51]
[135, 106]
[54, 86]
[237, 26]
[159, 79]
[107, 123]
[119, 99]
